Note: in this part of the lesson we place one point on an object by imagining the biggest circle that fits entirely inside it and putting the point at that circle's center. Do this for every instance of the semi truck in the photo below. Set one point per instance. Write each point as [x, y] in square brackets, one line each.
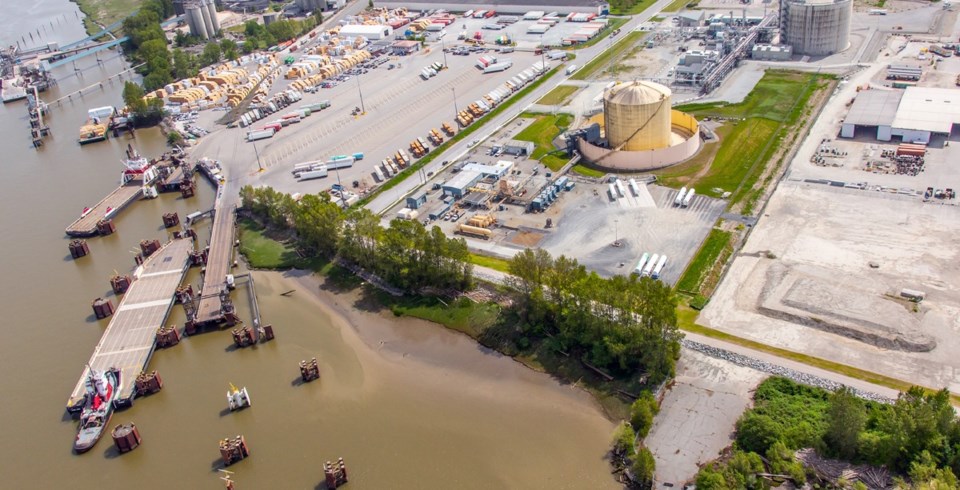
[679, 199]
[648, 269]
[689, 197]
[260, 134]
[657, 269]
[312, 174]
[498, 67]
[643, 262]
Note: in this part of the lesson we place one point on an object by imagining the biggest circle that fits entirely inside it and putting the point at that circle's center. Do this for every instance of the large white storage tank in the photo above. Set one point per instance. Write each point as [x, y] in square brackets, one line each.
[637, 116]
[816, 27]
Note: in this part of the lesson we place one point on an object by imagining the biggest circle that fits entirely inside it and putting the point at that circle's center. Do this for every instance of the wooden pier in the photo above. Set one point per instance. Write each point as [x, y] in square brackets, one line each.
[220, 256]
[86, 226]
[128, 342]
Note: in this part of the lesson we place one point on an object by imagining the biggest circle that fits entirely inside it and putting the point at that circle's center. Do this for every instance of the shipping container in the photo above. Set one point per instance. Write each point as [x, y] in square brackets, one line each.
[643, 262]
[679, 199]
[261, 134]
[312, 174]
[649, 267]
[658, 269]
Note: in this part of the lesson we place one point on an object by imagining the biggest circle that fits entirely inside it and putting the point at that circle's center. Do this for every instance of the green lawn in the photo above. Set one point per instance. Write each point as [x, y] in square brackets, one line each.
[704, 261]
[558, 95]
[105, 12]
[263, 252]
[463, 315]
[495, 263]
[588, 171]
[746, 146]
[677, 5]
[629, 7]
[620, 47]
[774, 98]
[542, 132]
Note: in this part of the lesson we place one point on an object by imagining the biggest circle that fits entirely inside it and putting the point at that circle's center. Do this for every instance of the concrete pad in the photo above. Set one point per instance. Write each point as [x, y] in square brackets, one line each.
[698, 414]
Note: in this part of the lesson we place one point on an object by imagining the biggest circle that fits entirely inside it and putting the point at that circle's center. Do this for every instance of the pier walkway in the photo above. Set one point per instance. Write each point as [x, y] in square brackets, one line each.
[128, 342]
[105, 209]
[219, 257]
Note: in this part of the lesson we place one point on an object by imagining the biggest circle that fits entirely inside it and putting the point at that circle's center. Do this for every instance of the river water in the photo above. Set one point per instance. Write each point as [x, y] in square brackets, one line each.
[406, 403]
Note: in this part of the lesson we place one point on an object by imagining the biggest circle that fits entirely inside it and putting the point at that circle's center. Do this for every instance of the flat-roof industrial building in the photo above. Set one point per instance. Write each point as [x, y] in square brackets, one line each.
[915, 114]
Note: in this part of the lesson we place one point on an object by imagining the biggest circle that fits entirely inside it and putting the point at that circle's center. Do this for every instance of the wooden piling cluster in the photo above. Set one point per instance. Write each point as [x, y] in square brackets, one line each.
[106, 227]
[309, 370]
[167, 337]
[170, 220]
[244, 336]
[148, 247]
[78, 248]
[184, 295]
[102, 308]
[335, 474]
[119, 283]
[148, 383]
[233, 450]
[126, 437]
[187, 188]
[199, 258]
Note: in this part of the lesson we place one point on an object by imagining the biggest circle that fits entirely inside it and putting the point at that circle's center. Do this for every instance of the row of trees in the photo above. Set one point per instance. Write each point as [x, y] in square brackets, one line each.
[406, 254]
[623, 324]
[917, 436]
[259, 36]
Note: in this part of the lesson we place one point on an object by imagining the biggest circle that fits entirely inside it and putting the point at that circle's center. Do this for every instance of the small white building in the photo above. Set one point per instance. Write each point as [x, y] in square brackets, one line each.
[497, 170]
[371, 32]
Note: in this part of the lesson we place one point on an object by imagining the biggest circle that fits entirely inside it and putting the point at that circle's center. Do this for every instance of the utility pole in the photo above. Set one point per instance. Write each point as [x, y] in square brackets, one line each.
[363, 110]
[258, 155]
[456, 111]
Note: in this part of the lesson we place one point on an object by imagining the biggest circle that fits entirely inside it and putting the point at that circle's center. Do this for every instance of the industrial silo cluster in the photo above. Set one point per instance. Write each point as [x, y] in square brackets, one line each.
[637, 116]
[202, 19]
[816, 27]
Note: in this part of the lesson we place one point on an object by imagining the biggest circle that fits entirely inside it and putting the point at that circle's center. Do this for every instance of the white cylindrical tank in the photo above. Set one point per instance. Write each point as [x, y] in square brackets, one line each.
[816, 27]
[637, 116]
[212, 10]
[207, 23]
[195, 19]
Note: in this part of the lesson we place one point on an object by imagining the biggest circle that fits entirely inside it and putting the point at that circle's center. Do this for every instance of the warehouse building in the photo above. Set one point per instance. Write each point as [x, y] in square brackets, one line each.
[916, 114]
[371, 32]
[460, 184]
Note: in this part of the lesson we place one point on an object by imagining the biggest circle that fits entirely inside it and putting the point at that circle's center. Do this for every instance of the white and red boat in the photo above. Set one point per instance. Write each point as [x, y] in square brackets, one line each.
[102, 391]
[135, 166]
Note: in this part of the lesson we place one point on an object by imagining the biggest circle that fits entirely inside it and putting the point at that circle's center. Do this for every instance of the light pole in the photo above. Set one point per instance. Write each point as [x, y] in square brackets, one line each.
[443, 48]
[258, 155]
[542, 49]
[456, 111]
[363, 110]
[343, 200]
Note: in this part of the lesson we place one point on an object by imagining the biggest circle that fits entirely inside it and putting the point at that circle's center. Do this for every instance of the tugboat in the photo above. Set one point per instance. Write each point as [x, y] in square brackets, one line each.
[102, 390]
[237, 398]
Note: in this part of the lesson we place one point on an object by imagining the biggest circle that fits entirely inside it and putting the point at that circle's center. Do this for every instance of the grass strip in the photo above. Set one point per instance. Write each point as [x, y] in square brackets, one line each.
[558, 95]
[495, 263]
[704, 261]
[619, 48]
[390, 184]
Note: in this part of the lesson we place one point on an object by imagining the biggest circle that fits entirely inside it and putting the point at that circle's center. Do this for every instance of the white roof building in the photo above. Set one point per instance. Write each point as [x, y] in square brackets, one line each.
[371, 32]
[914, 114]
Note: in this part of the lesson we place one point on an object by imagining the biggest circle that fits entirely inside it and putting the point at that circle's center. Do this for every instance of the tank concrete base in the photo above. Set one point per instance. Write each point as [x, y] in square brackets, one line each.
[813, 300]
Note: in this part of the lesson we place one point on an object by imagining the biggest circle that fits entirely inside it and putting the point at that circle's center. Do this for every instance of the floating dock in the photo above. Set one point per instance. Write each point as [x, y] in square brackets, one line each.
[107, 208]
[128, 342]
